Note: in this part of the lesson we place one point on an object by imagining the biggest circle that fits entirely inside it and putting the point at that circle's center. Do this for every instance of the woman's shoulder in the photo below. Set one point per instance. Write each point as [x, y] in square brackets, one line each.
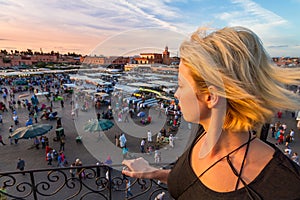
[280, 172]
[273, 161]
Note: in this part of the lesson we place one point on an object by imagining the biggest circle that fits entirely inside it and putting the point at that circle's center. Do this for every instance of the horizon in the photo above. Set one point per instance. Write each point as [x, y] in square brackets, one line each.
[47, 53]
[85, 26]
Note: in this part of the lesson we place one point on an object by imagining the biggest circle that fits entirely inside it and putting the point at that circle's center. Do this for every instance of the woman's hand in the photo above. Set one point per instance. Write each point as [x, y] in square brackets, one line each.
[138, 168]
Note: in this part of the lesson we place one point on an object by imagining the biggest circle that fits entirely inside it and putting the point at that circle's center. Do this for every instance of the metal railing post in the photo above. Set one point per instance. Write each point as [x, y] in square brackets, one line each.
[33, 186]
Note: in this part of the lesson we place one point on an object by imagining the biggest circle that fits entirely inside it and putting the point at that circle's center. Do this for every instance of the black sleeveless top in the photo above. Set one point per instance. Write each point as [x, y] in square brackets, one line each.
[280, 179]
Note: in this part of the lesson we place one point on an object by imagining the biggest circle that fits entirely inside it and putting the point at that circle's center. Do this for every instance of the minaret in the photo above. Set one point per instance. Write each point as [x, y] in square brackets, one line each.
[166, 56]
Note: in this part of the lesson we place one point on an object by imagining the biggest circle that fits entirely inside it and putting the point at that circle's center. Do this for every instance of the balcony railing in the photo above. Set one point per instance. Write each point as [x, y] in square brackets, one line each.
[86, 182]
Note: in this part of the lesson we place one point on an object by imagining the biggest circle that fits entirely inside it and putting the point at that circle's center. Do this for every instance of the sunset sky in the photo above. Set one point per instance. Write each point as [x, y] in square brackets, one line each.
[120, 27]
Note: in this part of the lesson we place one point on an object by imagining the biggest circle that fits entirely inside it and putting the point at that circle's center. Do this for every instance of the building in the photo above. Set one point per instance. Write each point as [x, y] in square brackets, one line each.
[149, 58]
[101, 60]
[11, 60]
[287, 61]
[93, 60]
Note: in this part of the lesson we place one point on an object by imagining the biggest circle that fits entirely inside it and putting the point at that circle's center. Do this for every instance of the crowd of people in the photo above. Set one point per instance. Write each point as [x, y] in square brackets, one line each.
[152, 142]
[22, 106]
[284, 136]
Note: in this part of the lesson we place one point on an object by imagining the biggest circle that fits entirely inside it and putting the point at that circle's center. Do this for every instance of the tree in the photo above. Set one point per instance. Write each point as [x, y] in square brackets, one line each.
[29, 52]
[41, 65]
[4, 52]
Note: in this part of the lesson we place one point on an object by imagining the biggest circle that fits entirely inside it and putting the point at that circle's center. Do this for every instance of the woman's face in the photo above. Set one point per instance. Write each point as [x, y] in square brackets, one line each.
[193, 109]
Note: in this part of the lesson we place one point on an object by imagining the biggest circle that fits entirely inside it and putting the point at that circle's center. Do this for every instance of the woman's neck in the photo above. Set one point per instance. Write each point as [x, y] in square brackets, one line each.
[227, 142]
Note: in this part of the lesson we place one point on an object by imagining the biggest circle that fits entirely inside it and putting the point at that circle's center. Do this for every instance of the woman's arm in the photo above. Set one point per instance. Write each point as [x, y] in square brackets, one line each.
[140, 168]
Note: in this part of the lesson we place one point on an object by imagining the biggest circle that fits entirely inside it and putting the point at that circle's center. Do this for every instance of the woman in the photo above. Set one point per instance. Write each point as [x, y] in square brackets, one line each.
[228, 85]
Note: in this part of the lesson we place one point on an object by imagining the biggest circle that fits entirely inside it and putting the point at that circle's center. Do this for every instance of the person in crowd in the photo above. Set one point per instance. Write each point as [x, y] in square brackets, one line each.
[272, 127]
[279, 135]
[288, 151]
[149, 136]
[36, 142]
[54, 154]
[79, 172]
[171, 141]
[277, 125]
[108, 160]
[98, 115]
[43, 142]
[21, 165]
[61, 159]
[16, 119]
[10, 140]
[158, 137]
[49, 157]
[122, 140]
[142, 146]
[62, 143]
[35, 116]
[126, 116]
[128, 192]
[225, 80]
[157, 156]
[29, 122]
[62, 103]
[295, 158]
[163, 132]
[73, 170]
[117, 142]
[284, 126]
[292, 134]
[120, 116]
[125, 152]
[1, 140]
[160, 196]
[149, 119]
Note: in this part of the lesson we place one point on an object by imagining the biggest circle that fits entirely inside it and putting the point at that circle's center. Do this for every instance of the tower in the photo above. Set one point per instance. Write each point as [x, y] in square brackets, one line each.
[166, 56]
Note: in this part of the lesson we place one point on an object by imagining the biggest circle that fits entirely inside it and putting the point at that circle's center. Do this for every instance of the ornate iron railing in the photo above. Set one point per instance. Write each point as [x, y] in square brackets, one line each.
[83, 182]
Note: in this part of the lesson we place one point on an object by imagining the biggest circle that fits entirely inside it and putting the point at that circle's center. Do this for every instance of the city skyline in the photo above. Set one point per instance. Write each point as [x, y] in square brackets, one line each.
[124, 27]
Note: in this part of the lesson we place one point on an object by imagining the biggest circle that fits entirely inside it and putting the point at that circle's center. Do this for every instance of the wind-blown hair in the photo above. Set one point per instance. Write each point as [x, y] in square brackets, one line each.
[235, 61]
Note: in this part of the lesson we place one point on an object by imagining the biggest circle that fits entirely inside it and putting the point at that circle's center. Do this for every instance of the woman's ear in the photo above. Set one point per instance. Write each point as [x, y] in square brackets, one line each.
[212, 97]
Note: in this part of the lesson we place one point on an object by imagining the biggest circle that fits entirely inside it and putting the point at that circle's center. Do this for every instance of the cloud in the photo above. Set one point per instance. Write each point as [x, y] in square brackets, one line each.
[251, 14]
[278, 46]
[9, 47]
[156, 8]
[151, 40]
[148, 11]
[84, 22]
[98, 15]
[274, 30]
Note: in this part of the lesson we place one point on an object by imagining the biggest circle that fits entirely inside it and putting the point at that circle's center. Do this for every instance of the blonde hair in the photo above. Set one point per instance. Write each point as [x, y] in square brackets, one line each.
[235, 61]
